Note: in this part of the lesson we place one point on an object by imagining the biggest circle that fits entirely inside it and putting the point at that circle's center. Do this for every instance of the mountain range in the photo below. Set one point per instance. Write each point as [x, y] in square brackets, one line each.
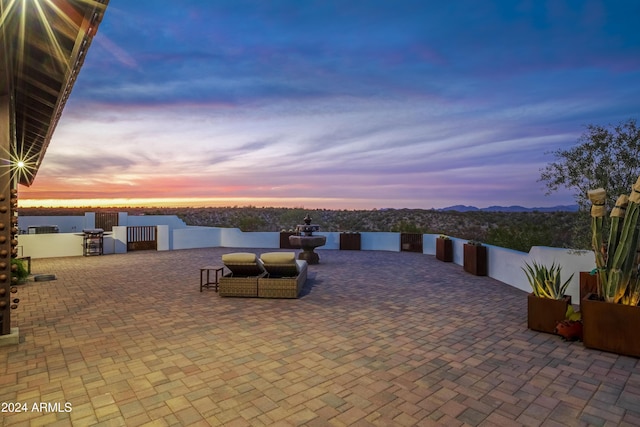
[559, 208]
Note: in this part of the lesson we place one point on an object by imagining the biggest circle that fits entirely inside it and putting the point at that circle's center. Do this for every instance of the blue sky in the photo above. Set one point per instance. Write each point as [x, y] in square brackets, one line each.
[338, 104]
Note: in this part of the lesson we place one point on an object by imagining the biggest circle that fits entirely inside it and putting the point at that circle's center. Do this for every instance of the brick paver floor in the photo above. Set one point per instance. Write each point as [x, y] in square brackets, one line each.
[377, 339]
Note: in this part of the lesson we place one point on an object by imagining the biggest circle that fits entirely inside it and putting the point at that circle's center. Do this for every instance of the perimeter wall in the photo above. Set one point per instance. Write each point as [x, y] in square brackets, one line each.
[504, 264]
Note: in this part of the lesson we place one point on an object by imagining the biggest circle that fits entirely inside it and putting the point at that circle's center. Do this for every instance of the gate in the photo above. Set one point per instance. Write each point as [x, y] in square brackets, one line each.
[106, 220]
[143, 237]
[411, 242]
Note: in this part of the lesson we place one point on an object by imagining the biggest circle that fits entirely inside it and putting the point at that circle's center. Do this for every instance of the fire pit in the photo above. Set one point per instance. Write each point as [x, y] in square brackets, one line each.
[307, 241]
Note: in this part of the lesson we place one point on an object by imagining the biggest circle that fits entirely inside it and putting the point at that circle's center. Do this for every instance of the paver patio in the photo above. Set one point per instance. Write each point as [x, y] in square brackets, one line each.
[377, 339]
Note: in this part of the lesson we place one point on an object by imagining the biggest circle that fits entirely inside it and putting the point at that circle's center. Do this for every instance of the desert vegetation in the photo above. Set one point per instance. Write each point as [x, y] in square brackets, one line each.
[515, 230]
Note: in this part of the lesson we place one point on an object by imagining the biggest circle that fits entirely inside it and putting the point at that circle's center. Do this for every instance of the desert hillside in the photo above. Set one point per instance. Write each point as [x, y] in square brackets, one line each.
[516, 230]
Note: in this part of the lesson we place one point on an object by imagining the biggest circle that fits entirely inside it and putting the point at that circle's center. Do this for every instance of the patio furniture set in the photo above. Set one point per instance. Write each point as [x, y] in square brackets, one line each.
[272, 275]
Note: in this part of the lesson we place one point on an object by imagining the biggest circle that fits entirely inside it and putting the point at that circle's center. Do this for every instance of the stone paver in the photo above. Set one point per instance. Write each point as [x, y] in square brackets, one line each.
[377, 339]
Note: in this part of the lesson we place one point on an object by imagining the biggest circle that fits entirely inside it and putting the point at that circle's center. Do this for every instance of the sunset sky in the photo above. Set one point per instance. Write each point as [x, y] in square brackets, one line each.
[354, 104]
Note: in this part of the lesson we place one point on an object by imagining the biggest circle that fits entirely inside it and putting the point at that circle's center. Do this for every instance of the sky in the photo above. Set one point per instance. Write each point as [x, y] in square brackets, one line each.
[359, 104]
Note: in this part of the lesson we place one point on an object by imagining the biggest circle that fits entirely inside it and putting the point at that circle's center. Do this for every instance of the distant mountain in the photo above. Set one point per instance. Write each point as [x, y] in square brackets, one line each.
[464, 208]
[460, 208]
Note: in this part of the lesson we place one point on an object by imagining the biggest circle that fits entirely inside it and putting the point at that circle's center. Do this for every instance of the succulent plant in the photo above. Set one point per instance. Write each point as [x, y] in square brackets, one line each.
[616, 261]
[545, 281]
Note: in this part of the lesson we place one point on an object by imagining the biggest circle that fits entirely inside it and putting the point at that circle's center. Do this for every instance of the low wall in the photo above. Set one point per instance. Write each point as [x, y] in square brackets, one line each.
[506, 265]
[197, 237]
[55, 245]
[235, 238]
[503, 264]
[380, 242]
[333, 240]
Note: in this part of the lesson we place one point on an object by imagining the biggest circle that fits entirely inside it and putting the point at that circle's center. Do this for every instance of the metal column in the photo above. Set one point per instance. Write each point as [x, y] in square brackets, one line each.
[8, 222]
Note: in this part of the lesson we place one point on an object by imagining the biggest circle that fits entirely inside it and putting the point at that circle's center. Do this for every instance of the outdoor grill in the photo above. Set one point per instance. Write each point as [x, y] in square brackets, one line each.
[93, 240]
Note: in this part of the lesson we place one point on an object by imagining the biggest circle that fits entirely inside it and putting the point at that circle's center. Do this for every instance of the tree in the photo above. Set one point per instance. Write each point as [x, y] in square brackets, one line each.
[607, 157]
[521, 237]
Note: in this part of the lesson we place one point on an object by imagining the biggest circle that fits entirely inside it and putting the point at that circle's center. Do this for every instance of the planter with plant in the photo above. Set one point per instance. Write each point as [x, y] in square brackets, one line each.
[19, 270]
[444, 248]
[475, 258]
[611, 317]
[547, 304]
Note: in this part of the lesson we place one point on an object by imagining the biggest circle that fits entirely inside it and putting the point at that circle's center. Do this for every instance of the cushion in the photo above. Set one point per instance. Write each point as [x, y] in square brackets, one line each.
[279, 258]
[239, 258]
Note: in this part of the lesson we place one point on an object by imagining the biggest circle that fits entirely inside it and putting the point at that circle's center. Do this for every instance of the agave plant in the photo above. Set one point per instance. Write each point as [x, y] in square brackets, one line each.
[545, 281]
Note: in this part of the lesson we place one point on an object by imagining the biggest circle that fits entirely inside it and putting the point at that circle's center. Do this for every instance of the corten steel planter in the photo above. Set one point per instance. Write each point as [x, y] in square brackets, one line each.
[610, 327]
[588, 284]
[284, 239]
[543, 314]
[444, 250]
[349, 241]
[475, 259]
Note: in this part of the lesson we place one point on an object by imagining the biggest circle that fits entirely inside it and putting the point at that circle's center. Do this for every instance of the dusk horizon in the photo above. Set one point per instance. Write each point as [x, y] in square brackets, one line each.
[197, 204]
[333, 105]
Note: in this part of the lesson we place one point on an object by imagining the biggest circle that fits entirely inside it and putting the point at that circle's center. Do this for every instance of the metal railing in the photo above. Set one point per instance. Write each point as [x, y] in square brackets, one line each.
[142, 237]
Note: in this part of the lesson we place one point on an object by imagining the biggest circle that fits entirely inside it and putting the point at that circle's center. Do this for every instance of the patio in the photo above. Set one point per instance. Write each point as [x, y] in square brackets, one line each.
[377, 338]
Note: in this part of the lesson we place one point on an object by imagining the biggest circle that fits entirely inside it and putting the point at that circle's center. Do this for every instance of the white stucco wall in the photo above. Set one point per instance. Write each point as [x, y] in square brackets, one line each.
[504, 264]
[119, 236]
[197, 237]
[52, 245]
[333, 240]
[380, 242]
[235, 238]
[162, 237]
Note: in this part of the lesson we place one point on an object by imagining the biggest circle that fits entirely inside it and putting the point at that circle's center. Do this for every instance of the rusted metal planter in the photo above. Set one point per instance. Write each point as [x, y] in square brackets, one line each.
[350, 241]
[588, 284]
[610, 327]
[475, 259]
[284, 239]
[543, 314]
[444, 250]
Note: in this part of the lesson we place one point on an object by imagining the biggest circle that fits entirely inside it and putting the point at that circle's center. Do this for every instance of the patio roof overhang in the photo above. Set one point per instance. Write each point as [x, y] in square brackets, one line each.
[43, 44]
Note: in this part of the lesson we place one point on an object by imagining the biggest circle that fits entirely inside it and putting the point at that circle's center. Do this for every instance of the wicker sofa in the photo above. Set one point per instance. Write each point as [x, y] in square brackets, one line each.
[244, 272]
[273, 275]
[285, 276]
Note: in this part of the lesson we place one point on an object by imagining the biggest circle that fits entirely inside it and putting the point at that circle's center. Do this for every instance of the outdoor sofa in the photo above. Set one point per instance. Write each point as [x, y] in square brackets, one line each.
[273, 275]
[244, 271]
[285, 277]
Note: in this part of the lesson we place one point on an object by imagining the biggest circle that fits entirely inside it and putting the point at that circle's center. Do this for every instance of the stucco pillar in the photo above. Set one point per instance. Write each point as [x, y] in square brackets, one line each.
[119, 234]
[89, 220]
